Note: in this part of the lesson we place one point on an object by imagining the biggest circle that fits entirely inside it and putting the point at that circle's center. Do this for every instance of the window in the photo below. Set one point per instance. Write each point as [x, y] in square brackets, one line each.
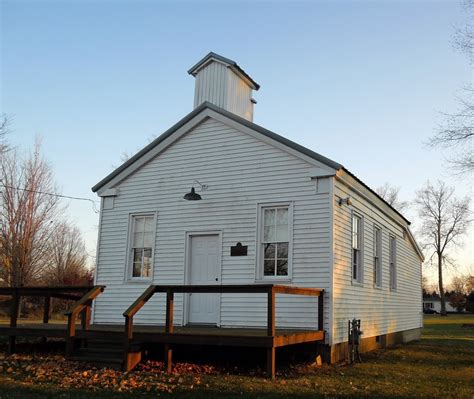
[377, 256]
[142, 240]
[275, 241]
[356, 248]
[392, 248]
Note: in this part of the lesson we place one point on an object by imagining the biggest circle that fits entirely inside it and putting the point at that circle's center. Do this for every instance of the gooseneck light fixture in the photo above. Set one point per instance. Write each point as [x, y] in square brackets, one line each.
[193, 195]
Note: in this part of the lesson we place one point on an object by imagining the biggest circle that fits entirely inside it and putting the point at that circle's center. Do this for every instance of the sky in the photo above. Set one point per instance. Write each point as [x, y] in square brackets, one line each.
[361, 82]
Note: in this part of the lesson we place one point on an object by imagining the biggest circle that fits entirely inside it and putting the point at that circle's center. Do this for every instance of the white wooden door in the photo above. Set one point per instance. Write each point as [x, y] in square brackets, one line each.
[204, 270]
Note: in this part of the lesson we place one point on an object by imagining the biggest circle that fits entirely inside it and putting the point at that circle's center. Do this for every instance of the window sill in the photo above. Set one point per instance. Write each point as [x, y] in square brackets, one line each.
[138, 280]
[378, 287]
[271, 280]
[357, 283]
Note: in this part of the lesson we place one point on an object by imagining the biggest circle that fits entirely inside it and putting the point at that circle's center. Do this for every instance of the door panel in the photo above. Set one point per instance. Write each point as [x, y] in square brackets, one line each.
[204, 270]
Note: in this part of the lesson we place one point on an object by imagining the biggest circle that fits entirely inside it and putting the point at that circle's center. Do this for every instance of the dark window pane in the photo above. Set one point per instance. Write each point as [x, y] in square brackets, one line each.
[269, 251]
[282, 267]
[355, 263]
[146, 267]
[282, 250]
[137, 269]
[137, 254]
[146, 262]
[269, 267]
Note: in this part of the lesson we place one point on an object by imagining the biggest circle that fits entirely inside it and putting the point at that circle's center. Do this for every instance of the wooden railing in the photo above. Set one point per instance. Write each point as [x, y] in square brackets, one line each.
[73, 293]
[270, 289]
[84, 305]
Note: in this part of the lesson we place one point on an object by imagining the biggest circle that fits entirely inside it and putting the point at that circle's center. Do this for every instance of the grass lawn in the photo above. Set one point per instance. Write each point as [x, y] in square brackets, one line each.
[440, 365]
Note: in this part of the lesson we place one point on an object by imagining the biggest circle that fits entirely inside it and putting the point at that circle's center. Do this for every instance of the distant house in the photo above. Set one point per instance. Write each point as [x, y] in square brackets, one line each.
[434, 302]
[220, 200]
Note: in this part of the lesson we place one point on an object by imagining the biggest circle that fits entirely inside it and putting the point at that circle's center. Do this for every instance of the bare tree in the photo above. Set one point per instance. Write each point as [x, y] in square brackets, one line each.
[464, 33]
[67, 261]
[444, 223]
[458, 131]
[461, 284]
[424, 286]
[391, 195]
[4, 123]
[126, 155]
[27, 216]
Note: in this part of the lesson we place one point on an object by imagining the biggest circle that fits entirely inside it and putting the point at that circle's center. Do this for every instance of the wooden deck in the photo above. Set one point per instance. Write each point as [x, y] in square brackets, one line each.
[189, 335]
[80, 334]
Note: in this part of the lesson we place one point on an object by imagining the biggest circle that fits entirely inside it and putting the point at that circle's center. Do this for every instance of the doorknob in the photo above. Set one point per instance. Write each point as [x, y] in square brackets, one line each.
[217, 279]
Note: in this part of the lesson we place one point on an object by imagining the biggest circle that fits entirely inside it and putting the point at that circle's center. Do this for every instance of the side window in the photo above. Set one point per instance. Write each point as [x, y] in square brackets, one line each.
[357, 242]
[392, 249]
[142, 239]
[275, 242]
[377, 256]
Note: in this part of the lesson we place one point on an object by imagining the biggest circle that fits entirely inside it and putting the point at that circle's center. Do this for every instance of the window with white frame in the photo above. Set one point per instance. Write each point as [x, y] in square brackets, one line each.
[142, 239]
[377, 256]
[357, 248]
[392, 249]
[275, 241]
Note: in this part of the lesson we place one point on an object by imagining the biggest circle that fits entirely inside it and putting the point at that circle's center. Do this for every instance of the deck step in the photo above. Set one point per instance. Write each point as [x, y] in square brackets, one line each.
[107, 353]
[112, 363]
[112, 344]
[90, 351]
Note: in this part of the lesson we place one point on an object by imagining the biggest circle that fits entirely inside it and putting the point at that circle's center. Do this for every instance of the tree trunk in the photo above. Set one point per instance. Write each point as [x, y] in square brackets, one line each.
[440, 282]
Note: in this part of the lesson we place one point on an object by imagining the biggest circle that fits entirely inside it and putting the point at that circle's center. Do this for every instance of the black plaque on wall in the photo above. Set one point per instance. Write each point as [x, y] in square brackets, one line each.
[238, 250]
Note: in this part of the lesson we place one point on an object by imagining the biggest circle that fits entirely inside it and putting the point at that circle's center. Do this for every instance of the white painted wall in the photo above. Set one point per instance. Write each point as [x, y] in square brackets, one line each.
[241, 171]
[381, 310]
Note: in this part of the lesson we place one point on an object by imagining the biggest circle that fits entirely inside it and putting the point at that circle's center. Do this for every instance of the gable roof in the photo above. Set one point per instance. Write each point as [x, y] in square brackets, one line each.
[265, 132]
[230, 63]
[230, 115]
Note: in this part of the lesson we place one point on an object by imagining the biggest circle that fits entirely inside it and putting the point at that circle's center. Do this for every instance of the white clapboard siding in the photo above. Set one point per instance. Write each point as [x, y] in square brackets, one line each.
[241, 171]
[381, 311]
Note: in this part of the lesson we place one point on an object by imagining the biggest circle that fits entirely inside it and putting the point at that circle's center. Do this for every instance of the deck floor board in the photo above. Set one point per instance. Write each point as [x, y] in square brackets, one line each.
[181, 334]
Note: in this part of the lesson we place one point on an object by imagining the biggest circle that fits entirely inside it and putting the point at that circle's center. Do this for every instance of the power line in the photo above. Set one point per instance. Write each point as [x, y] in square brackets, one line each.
[94, 208]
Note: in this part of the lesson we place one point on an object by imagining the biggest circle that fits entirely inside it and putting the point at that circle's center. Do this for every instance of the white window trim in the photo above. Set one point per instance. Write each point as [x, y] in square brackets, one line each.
[128, 259]
[380, 257]
[360, 280]
[393, 287]
[259, 277]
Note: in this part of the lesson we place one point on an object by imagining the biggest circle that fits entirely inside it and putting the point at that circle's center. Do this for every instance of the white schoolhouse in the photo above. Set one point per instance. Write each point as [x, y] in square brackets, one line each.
[220, 200]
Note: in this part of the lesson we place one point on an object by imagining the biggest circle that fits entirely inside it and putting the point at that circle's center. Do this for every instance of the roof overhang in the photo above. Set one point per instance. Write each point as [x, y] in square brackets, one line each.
[229, 63]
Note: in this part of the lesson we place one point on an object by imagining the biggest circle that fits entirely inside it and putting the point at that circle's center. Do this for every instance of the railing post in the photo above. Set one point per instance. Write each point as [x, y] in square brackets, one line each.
[271, 332]
[169, 329]
[321, 311]
[86, 317]
[271, 312]
[128, 342]
[86, 321]
[70, 334]
[15, 307]
[47, 305]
